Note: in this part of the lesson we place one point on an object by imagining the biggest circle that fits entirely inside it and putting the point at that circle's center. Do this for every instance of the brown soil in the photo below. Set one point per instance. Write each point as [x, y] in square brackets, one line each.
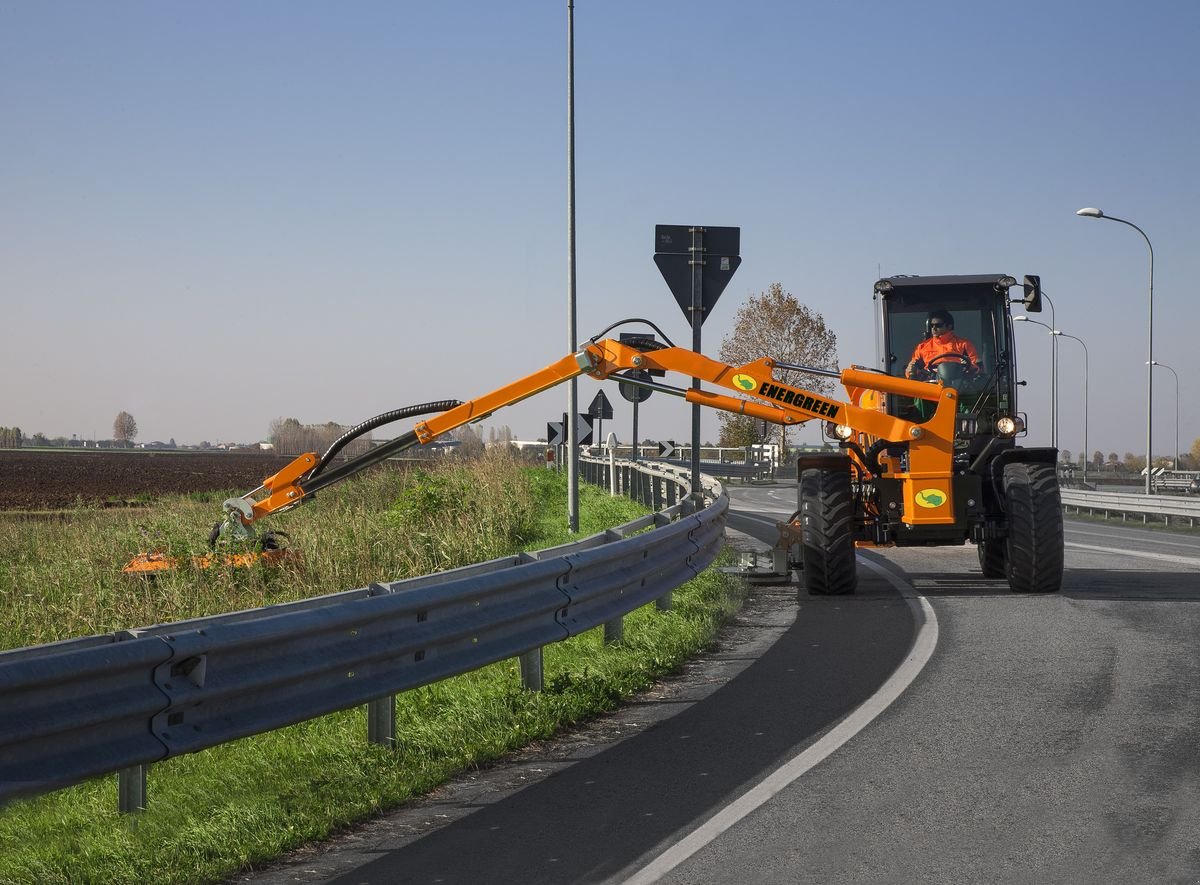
[56, 480]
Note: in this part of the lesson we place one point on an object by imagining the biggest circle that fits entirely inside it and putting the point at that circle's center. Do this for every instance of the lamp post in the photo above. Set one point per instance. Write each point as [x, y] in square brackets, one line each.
[1175, 463]
[1086, 454]
[1096, 213]
[1053, 375]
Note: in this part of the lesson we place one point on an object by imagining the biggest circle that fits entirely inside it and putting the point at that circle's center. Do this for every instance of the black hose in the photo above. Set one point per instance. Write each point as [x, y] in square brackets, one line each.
[657, 346]
[378, 421]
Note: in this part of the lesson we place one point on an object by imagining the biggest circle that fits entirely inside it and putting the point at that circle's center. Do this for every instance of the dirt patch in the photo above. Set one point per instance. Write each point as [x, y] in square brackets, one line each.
[59, 480]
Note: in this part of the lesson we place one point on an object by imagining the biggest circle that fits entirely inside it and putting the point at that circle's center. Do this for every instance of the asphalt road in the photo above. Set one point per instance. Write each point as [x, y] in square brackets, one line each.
[1045, 739]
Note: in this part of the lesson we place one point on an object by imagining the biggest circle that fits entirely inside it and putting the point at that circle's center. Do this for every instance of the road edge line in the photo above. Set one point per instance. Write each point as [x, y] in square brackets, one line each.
[859, 718]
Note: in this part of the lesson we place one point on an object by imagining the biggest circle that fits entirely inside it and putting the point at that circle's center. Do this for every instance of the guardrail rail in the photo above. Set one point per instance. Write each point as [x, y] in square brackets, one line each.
[119, 702]
[1164, 507]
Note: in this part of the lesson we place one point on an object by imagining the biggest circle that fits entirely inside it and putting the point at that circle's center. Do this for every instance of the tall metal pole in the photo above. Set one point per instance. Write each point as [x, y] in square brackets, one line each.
[1096, 213]
[572, 427]
[1053, 375]
[1086, 454]
[635, 430]
[1175, 463]
[697, 314]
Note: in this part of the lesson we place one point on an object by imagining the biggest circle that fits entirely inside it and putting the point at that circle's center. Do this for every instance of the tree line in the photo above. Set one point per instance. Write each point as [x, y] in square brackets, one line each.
[290, 437]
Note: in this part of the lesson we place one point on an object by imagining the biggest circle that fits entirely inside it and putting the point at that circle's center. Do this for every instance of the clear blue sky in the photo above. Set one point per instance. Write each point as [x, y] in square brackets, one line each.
[215, 214]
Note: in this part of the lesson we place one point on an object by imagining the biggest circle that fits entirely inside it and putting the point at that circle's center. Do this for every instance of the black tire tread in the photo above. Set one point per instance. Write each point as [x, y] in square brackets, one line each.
[827, 517]
[1035, 528]
[993, 559]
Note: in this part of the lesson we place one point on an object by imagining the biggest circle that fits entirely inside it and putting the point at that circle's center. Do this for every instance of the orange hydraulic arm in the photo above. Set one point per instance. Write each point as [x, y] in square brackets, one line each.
[931, 443]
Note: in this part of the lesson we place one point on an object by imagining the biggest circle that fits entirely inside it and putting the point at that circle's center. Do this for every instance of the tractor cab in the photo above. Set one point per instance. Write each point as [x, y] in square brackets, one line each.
[956, 329]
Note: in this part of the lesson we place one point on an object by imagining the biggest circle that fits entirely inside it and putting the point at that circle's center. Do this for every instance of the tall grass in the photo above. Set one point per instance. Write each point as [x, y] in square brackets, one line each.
[215, 812]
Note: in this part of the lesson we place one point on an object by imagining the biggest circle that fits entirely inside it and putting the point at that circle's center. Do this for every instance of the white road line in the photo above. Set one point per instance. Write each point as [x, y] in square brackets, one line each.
[1161, 557]
[862, 716]
[1140, 538]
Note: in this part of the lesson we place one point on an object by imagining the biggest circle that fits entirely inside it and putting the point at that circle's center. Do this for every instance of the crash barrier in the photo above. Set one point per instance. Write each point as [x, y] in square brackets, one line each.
[1176, 482]
[732, 469]
[118, 702]
[1157, 507]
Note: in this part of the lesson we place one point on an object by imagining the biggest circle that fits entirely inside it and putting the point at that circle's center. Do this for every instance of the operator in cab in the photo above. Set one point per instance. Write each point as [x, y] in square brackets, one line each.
[942, 345]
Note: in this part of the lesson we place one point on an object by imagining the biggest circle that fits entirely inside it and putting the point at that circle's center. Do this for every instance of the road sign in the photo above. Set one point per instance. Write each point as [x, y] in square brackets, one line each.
[677, 239]
[600, 407]
[675, 259]
[556, 432]
[666, 449]
[632, 392]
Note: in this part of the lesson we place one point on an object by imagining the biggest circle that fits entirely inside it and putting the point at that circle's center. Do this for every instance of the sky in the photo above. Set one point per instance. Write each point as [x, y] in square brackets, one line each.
[217, 214]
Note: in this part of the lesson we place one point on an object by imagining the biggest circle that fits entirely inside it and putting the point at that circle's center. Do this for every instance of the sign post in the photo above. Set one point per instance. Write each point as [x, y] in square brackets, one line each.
[697, 263]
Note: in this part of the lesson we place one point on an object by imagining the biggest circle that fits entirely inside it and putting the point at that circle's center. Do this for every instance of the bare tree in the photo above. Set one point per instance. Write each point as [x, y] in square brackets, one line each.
[290, 437]
[125, 429]
[776, 324]
[470, 443]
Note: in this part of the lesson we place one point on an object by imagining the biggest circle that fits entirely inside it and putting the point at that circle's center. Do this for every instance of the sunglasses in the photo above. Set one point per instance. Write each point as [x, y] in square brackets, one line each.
[937, 325]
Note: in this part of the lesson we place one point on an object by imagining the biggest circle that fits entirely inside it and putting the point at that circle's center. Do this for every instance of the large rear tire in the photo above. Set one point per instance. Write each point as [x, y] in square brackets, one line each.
[827, 517]
[993, 559]
[1035, 528]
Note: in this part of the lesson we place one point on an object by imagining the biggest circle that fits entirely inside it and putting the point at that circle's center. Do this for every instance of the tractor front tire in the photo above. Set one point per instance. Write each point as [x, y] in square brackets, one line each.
[1035, 528]
[827, 516]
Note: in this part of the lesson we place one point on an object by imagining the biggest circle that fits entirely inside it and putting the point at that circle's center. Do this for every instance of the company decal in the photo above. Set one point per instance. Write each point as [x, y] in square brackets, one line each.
[745, 382]
[800, 400]
[931, 498]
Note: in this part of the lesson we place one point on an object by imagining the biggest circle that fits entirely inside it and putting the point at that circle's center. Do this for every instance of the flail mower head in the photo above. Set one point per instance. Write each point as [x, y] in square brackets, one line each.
[232, 542]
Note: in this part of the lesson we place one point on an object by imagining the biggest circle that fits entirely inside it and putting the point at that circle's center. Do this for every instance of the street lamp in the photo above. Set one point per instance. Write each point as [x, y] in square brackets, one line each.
[1053, 375]
[1175, 464]
[1086, 454]
[1096, 213]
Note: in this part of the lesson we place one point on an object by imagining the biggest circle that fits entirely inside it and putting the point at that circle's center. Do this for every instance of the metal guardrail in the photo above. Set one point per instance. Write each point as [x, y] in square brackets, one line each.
[1163, 507]
[84, 707]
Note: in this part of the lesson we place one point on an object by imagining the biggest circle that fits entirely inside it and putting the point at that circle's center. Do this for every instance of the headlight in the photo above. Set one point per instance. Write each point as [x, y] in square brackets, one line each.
[838, 431]
[1007, 426]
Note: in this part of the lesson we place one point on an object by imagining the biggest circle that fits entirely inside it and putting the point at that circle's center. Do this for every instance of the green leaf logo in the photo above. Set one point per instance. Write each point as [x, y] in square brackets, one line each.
[745, 382]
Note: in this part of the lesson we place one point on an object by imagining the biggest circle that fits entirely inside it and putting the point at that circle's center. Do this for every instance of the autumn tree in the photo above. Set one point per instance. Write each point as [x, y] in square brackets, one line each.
[125, 429]
[776, 324]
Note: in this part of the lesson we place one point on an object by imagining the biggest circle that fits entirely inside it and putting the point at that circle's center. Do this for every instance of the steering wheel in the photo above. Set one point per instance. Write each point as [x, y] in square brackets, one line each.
[948, 366]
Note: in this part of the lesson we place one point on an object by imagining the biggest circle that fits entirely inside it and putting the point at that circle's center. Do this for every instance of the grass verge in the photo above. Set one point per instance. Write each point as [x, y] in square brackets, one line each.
[230, 807]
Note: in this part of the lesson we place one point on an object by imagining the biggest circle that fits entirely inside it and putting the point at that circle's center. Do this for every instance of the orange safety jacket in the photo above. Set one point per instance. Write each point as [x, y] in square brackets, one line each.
[947, 342]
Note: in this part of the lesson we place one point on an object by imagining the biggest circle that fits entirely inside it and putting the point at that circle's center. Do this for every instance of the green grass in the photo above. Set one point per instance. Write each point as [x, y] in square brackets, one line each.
[218, 811]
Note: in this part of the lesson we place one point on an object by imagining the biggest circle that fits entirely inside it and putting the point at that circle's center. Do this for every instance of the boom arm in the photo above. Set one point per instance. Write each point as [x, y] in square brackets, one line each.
[602, 359]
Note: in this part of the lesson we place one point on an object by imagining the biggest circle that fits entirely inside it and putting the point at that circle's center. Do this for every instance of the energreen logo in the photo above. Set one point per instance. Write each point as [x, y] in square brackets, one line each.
[931, 498]
[745, 382]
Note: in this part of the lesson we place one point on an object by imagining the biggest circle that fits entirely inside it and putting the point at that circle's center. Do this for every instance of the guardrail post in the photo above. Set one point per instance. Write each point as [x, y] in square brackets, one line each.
[131, 789]
[531, 670]
[614, 631]
[381, 722]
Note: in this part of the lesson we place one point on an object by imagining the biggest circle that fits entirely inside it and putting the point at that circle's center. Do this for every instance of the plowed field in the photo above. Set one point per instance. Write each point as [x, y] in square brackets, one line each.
[54, 480]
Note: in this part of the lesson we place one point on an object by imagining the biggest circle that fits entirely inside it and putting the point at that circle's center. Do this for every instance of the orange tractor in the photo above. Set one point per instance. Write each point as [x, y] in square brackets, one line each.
[919, 462]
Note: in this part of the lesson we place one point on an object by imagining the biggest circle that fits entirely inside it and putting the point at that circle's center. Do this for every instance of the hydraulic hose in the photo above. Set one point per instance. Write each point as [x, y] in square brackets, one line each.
[378, 421]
